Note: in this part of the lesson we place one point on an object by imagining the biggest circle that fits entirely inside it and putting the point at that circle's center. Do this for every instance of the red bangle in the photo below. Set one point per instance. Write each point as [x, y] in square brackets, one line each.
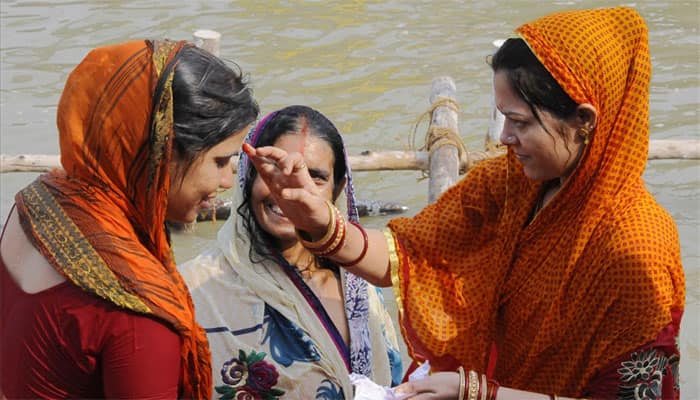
[493, 389]
[364, 248]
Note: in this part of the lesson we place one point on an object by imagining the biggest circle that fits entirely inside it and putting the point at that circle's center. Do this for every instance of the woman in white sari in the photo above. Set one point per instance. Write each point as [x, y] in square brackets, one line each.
[280, 321]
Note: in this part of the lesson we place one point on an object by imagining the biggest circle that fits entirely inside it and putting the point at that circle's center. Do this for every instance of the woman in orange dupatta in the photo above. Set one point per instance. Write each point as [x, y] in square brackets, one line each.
[92, 304]
[550, 269]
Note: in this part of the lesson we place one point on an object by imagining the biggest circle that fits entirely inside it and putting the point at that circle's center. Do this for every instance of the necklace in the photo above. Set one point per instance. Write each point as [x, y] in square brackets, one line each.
[307, 271]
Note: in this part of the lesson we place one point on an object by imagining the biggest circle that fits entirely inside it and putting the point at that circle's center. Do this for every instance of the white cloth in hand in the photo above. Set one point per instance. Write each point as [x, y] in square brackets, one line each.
[365, 389]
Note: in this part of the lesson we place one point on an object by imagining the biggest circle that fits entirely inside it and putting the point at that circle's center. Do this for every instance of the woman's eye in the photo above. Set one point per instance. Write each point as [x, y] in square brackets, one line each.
[318, 177]
[221, 162]
[517, 123]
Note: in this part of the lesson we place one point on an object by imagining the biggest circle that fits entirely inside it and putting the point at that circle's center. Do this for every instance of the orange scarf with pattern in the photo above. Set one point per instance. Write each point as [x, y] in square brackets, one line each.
[596, 274]
[101, 220]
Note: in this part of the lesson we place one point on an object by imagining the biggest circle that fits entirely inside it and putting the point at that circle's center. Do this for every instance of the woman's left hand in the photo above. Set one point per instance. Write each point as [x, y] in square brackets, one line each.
[440, 385]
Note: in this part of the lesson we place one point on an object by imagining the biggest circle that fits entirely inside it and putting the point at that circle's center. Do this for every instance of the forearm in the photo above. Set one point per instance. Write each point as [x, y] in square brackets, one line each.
[505, 393]
[362, 251]
[374, 265]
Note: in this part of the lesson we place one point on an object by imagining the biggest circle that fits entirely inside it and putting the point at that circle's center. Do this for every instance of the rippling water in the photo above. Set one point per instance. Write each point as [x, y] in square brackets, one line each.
[368, 65]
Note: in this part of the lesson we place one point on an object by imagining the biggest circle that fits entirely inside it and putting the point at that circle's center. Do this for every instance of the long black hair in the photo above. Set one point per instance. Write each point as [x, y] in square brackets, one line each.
[531, 80]
[211, 101]
[292, 120]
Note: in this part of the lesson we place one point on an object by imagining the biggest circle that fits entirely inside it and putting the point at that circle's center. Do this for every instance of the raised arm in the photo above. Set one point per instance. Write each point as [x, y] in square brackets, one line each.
[296, 194]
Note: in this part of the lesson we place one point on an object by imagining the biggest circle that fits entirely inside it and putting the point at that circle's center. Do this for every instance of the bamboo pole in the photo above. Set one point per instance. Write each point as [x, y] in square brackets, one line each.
[395, 160]
[208, 40]
[444, 161]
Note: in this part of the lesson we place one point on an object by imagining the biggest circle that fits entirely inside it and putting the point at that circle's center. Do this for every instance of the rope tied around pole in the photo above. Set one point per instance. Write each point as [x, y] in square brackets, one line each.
[438, 136]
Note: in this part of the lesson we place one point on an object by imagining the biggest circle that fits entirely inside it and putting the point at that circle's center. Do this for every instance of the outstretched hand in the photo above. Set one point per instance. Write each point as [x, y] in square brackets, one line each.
[440, 385]
[290, 184]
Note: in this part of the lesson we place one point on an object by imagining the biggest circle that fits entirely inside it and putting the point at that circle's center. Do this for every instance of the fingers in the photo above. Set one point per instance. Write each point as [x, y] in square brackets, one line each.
[288, 163]
[440, 385]
[295, 194]
[414, 387]
[248, 149]
[405, 391]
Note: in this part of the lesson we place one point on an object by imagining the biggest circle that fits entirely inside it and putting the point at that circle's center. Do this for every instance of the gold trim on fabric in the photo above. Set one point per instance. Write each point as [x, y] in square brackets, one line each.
[394, 268]
[72, 252]
[163, 120]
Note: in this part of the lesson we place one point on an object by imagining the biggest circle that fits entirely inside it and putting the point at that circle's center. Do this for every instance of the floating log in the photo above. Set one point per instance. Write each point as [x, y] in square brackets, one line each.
[221, 210]
[368, 160]
[674, 149]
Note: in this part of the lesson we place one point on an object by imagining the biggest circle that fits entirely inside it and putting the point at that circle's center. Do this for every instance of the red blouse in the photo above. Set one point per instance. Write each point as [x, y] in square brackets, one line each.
[65, 343]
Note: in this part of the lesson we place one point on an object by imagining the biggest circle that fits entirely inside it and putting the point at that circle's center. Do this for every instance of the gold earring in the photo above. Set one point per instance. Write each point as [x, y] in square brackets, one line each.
[585, 134]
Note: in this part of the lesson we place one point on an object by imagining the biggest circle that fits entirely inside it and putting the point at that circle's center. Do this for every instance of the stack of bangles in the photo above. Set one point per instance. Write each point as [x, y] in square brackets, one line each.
[476, 387]
[334, 239]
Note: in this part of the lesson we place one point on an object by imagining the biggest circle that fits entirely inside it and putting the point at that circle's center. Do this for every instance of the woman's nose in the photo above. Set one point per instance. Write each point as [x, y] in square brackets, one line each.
[507, 136]
[227, 177]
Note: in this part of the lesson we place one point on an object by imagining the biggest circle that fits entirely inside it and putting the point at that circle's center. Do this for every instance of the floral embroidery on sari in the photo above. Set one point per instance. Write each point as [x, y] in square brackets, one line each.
[330, 392]
[642, 377]
[249, 377]
[288, 342]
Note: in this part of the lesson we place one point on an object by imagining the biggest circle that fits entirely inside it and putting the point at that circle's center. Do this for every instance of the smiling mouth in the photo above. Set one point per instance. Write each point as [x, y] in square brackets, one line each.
[275, 209]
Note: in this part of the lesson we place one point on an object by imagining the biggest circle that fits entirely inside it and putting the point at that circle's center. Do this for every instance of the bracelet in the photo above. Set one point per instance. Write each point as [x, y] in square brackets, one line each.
[462, 383]
[338, 239]
[483, 388]
[330, 232]
[493, 389]
[473, 385]
[365, 245]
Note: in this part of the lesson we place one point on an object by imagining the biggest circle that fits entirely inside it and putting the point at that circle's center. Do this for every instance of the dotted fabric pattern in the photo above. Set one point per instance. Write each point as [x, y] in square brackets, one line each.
[595, 275]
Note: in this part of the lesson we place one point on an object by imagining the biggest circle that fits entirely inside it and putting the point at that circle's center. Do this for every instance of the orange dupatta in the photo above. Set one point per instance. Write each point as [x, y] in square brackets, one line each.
[596, 274]
[101, 220]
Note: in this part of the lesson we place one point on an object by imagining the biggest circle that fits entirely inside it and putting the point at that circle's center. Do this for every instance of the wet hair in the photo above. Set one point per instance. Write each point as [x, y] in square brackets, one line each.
[292, 120]
[531, 80]
[211, 101]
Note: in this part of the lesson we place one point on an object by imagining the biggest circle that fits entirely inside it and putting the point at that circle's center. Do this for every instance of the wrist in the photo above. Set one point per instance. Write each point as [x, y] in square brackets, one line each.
[333, 237]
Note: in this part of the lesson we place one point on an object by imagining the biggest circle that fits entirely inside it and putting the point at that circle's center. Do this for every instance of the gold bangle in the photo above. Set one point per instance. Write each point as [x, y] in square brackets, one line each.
[473, 385]
[484, 386]
[338, 240]
[462, 383]
[329, 232]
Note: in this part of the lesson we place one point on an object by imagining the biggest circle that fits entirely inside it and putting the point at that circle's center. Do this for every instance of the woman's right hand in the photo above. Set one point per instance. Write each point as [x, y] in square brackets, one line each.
[290, 184]
[438, 386]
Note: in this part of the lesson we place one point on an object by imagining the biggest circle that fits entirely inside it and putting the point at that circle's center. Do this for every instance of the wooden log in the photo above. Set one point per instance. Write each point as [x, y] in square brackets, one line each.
[374, 160]
[208, 40]
[444, 161]
[222, 211]
[29, 163]
[674, 149]
[389, 160]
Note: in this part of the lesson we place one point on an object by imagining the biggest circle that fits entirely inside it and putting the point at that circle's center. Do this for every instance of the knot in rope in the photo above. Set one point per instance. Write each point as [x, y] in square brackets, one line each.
[438, 136]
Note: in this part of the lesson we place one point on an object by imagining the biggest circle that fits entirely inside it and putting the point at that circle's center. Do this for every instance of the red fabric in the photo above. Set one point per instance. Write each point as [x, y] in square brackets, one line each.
[100, 221]
[65, 343]
[650, 371]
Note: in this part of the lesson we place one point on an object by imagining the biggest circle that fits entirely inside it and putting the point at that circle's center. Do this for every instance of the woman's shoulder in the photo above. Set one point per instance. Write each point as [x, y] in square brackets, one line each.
[639, 245]
[638, 219]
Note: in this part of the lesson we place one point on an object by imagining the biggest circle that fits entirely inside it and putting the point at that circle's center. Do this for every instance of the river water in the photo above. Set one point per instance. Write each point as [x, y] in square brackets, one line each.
[368, 65]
